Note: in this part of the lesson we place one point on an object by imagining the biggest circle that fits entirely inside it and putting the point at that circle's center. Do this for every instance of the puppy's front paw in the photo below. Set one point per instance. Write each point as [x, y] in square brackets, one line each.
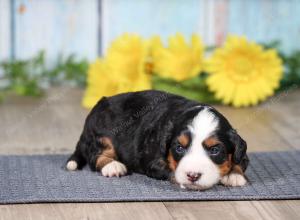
[114, 168]
[72, 165]
[233, 179]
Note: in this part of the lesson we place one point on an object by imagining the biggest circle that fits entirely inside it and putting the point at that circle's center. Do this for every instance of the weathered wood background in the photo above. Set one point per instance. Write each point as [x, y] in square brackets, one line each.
[86, 27]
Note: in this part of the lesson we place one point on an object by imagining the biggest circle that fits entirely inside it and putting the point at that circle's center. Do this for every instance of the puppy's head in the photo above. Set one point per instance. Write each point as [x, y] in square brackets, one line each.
[204, 149]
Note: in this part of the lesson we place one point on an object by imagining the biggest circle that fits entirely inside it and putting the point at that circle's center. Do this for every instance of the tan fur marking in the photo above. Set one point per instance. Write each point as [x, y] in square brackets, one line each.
[237, 169]
[225, 167]
[211, 141]
[108, 154]
[184, 139]
[172, 162]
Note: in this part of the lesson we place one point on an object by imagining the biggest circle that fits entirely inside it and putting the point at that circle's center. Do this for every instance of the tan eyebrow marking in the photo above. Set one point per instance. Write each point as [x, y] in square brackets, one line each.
[211, 141]
[184, 140]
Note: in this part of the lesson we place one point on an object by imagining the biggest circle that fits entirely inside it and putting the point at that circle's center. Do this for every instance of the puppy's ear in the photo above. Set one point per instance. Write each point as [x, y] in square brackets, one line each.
[240, 147]
[244, 163]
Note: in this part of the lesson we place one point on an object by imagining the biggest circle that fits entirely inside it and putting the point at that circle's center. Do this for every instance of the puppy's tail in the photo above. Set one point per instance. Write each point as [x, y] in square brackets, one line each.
[76, 160]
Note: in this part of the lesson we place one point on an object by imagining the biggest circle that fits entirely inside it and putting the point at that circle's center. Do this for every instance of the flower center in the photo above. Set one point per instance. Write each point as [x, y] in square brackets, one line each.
[242, 69]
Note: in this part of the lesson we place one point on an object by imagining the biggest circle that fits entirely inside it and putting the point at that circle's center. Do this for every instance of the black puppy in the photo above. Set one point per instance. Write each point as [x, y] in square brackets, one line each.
[164, 136]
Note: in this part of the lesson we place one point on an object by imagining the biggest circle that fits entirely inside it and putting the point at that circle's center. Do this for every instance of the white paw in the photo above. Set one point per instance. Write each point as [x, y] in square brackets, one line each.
[114, 168]
[233, 179]
[72, 165]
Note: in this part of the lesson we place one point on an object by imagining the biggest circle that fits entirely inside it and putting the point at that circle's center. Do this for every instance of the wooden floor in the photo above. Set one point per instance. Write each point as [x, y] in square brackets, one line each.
[53, 124]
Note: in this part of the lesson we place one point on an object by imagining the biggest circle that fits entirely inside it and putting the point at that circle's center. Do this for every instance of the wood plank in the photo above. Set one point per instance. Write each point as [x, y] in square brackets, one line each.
[51, 124]
[286, 117]
[4, 30]
[156, 17]
[273, 210]
[58, 27]
[266, 21]
[213, 210]
[255, 126]
[145, 210]
[288, 209]
[221, 13]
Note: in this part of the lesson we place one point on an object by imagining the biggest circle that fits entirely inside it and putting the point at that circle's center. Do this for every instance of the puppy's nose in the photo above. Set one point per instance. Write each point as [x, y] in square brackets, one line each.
[193, 177]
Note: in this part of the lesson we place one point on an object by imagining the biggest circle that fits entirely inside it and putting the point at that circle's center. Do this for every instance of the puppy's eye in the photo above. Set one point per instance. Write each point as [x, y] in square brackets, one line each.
[215, 150]
[180, 149]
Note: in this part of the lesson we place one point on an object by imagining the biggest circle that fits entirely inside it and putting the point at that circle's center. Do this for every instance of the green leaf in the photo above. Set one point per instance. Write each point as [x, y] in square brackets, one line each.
[26, 77]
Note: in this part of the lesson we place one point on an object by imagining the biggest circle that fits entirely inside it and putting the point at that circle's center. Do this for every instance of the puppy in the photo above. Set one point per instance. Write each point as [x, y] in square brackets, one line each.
[163, 136]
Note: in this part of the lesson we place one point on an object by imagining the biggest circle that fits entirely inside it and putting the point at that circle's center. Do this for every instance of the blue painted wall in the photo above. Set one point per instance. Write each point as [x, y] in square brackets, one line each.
[266, 20]
[78, 26]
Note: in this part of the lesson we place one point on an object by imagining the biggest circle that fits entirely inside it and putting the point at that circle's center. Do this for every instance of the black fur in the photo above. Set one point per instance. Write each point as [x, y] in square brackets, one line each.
[143, 126]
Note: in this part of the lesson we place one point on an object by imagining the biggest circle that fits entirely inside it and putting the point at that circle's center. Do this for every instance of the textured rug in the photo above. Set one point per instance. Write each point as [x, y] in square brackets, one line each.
[35, 179]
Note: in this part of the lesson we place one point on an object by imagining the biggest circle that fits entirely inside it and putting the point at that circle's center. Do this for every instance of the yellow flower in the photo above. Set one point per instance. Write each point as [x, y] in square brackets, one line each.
[179, 61]
[99, 83]
[127, 58]
[153, 45]
[243, 73]
[123, 70]
[127, 55]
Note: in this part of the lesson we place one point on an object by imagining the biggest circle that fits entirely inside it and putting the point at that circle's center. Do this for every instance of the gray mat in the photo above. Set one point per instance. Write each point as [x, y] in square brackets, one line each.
[35, 179]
